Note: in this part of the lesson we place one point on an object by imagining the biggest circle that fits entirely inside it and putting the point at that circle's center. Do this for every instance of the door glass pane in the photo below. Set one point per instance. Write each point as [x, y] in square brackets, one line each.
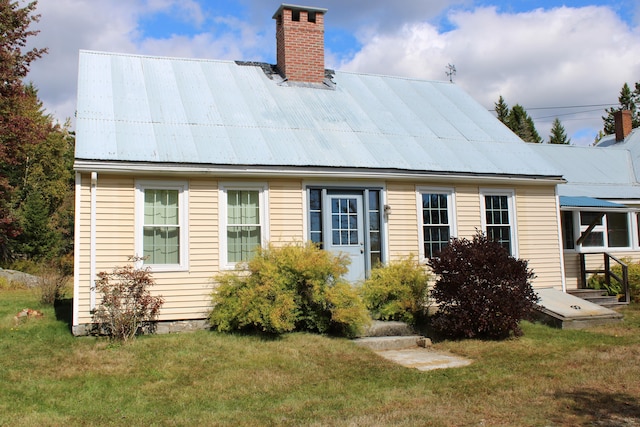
[344, 221]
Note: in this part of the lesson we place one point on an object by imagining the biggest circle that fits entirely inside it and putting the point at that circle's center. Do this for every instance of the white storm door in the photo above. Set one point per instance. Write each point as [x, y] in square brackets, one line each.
[346, 232]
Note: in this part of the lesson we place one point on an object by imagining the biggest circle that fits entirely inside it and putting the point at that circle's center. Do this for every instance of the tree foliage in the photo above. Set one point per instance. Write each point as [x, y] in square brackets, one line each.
[36, 154]
[558, 134]
[629, 100]
[518, 120]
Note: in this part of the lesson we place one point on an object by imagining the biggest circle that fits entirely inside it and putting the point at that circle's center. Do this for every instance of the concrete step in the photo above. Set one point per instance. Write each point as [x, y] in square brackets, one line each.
[385, 328]
[393, 342]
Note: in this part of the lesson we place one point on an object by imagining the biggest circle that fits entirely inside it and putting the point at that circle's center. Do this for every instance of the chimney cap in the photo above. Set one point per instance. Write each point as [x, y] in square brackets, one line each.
[298, 7]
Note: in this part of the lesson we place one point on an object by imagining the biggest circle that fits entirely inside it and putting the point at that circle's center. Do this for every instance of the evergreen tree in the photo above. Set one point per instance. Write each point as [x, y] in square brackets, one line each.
[517, 119]
[502, 110]
[558, 134]
[628, 100]
[522, 124]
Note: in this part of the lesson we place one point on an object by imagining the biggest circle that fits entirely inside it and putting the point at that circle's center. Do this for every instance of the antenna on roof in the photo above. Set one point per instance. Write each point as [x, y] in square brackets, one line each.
[451, 71]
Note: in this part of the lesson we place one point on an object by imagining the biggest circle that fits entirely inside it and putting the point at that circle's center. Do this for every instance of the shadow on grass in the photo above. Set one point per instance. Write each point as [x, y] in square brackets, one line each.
[64, 311]
[602, 408]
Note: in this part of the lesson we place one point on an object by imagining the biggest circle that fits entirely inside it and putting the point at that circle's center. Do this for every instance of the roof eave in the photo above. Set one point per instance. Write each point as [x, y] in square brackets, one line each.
[179, 169]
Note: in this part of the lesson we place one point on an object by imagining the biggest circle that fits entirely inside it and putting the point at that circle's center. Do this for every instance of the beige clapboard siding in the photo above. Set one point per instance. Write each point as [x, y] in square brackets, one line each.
[204, 232]
[403, 220]
[468, 218]
[538, 233]
[285, 212]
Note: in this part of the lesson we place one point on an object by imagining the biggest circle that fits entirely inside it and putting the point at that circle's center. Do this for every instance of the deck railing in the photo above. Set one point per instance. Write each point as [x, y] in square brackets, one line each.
[608, 274]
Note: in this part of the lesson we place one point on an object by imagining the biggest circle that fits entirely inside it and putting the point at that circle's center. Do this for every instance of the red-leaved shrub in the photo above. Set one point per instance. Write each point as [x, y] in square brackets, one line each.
[481, 290]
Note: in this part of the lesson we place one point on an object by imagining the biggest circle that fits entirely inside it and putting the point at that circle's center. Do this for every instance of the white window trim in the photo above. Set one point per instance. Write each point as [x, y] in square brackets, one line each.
[183, 198]
[451, 208]
[511, 201]
[578, 230]
[263, 197]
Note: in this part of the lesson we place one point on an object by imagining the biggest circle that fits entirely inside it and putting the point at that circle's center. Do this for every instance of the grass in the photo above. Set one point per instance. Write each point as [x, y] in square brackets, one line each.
[549, 377]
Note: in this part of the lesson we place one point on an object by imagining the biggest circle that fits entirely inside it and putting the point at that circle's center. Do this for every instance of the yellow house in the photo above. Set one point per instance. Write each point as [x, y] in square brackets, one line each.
[194, 163]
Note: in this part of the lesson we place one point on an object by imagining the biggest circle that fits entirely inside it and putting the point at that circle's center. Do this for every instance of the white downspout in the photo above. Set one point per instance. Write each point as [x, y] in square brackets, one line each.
[76, 252]
[92, 250]
[560, 241]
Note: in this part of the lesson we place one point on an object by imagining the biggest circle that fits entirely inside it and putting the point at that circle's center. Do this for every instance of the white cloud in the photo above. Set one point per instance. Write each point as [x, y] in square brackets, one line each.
[558, 57]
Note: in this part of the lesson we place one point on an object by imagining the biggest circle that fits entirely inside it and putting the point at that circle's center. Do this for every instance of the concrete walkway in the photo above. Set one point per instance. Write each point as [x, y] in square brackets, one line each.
[423, 359]
[396, 342]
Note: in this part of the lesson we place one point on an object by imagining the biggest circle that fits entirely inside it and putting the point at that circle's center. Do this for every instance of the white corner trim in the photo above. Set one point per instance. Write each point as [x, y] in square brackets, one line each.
[76, 251]
[92, 239]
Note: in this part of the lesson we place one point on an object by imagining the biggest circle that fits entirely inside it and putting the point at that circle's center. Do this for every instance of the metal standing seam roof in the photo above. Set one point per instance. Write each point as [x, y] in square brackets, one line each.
[587, 202]
[595, 172]
[190, 111]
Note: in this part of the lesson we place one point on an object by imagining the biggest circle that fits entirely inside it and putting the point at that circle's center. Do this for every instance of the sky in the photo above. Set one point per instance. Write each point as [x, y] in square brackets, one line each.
[565, 59]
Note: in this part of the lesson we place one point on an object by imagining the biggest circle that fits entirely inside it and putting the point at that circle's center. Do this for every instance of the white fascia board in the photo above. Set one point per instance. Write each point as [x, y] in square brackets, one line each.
[142, 168]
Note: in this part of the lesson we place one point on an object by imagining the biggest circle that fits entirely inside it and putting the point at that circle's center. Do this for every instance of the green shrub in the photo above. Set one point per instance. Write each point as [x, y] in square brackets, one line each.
[289, 288]
[398, 291]
[481, 290]
[127, 307]
[597, 281]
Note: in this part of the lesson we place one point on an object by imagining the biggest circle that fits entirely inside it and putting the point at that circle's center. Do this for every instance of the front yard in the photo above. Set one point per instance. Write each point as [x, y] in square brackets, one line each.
[547, 377]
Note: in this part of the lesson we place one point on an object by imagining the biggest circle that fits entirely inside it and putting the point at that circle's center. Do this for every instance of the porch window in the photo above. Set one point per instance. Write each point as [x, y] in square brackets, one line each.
[567, 230]
[436, 218]
[618, 230]
[608, 229]
[161, 223]
[499, 218]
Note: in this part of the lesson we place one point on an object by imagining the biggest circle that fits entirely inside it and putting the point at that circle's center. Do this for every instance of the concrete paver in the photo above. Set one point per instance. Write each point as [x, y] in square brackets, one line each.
[424, 359]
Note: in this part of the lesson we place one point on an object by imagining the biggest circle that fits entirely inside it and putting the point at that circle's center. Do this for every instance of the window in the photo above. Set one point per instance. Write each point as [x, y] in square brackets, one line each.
[243, 218]
[499, 218]
[568, 238]
[161, 236]
[596, 236]
[608, 229]
[436, 213]
[375, 227]
[315, 216]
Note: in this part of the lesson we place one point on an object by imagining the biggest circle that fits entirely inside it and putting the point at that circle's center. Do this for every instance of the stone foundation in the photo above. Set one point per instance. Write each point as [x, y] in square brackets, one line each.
[163, 327]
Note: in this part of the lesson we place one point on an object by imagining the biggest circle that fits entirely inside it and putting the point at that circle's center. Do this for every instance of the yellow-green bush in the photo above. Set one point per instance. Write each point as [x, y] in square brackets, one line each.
[398, 291]
[291, 288]
[597, 281]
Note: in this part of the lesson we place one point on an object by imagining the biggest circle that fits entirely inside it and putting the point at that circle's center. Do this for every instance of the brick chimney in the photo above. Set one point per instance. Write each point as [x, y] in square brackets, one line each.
[300, 42]
[623, 124]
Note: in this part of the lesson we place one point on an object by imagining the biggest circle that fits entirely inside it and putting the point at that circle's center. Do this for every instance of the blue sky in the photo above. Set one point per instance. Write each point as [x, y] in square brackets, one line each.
[539, 54]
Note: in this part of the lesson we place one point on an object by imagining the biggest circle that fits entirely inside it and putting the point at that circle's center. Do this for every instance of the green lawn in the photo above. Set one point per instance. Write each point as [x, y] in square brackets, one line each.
[548, 377]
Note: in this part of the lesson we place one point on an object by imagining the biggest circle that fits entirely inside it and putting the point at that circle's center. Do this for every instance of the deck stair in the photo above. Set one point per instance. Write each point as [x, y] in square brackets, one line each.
[596, 296]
